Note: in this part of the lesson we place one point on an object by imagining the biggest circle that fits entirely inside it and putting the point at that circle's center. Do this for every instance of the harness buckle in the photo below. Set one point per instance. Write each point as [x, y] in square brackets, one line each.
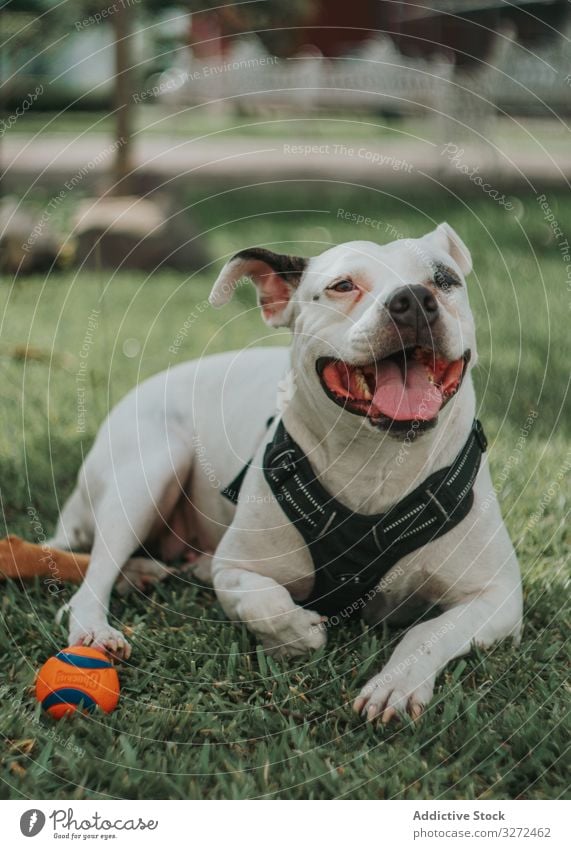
[480, 435]
[281, 472]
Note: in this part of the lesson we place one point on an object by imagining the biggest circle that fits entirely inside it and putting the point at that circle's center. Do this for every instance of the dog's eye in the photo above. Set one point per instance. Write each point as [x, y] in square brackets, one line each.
[444, 278]
[342, 286]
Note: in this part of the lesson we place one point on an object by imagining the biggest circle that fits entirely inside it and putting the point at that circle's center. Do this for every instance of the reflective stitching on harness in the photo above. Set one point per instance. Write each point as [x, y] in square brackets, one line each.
[327, 524]
[432, 496]
[467, 489]
[405, 517]
[359, 544]
[296, 506]
[281, 454]
[462, 494]
[315, 503]
[461, 465]
[419, 528]
[375, 537]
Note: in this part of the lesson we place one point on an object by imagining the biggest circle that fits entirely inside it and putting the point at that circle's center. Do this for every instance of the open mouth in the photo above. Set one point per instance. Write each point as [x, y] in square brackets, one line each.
[411, 385]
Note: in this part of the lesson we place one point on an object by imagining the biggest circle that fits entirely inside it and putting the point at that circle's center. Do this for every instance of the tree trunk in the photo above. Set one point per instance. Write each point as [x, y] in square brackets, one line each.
[123, 99]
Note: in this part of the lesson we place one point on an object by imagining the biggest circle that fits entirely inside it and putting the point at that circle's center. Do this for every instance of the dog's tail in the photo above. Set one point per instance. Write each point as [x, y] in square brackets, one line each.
[26, 560]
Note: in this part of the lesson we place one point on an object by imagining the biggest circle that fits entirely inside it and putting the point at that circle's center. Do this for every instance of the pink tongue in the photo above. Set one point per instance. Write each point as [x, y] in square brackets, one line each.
[407, 396]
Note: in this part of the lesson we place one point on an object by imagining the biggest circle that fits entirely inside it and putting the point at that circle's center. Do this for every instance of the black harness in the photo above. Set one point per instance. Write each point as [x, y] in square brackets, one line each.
[351, 551]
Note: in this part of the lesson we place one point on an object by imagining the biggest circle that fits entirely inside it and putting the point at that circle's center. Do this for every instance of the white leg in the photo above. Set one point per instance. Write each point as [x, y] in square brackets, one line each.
[269, 612]
[123, 518]
[130, 487]
[407, 681]
[74, 531]
[116, 539]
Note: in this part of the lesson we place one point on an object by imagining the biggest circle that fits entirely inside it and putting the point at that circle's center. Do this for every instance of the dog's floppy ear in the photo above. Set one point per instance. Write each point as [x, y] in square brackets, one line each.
[449, 241]
[275, 276]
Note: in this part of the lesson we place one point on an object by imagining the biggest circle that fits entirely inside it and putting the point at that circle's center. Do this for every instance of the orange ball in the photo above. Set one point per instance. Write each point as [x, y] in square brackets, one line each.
[77, 677]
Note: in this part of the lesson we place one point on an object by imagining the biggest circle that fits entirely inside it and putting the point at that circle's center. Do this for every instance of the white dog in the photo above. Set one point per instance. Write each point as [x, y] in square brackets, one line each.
[381, 409]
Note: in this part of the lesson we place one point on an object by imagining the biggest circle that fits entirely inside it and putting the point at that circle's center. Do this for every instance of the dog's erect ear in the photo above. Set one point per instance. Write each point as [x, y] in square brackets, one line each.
[449, 241]
[276, 276]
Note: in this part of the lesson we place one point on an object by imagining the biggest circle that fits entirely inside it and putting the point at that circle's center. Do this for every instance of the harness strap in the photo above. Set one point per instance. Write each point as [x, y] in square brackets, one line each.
[232, 491]
[351, 551]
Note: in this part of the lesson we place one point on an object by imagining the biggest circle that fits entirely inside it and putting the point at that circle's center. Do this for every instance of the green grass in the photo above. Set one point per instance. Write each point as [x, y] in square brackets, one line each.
[203, 712]
[366, 128]
[192, 121]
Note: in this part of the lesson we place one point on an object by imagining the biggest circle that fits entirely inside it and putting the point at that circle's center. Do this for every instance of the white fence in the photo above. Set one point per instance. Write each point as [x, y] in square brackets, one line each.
[378, 77]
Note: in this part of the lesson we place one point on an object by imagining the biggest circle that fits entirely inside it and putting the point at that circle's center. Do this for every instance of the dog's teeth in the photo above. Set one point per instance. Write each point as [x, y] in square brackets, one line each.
[362, 385]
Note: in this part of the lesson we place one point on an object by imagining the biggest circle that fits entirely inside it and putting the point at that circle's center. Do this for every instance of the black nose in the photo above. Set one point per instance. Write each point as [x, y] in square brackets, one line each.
[413, 306]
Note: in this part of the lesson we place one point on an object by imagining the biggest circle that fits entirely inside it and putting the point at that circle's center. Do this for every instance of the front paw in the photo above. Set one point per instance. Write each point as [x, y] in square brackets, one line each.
[101, 636]
[89, 627]
[301, 631]
[286, 632]
[404, 688]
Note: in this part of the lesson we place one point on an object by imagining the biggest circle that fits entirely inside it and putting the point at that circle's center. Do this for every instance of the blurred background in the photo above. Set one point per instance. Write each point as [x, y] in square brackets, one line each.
[141, 145]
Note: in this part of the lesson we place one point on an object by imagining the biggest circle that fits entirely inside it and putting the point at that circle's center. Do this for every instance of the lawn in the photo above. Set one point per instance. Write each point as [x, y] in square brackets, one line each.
[200, 121]
[204, 713]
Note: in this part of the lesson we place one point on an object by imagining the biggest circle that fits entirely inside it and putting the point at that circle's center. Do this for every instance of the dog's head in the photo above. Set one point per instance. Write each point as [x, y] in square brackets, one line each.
[383, 331]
